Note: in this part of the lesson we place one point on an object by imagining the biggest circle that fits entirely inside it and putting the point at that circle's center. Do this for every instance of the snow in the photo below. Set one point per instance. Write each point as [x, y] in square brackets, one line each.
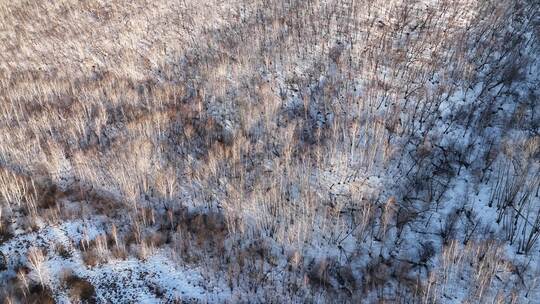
[156, 279]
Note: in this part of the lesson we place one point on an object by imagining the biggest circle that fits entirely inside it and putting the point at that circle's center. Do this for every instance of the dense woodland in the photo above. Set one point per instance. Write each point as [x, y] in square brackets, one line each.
[265, 151]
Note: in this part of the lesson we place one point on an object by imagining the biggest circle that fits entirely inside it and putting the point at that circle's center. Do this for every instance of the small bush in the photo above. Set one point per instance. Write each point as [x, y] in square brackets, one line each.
[80, 290]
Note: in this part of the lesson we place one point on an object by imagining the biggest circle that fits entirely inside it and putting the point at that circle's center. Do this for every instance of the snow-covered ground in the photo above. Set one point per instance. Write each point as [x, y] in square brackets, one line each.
[273, 152]
[155, 279]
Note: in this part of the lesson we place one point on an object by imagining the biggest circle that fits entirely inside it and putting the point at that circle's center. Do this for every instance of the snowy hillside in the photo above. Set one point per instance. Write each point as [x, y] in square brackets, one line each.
[292, 151]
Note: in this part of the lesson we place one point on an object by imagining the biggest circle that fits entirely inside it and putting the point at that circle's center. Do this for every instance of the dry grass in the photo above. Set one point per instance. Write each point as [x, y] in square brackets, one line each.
[80, 290]
[312, 124]
[479, 266]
